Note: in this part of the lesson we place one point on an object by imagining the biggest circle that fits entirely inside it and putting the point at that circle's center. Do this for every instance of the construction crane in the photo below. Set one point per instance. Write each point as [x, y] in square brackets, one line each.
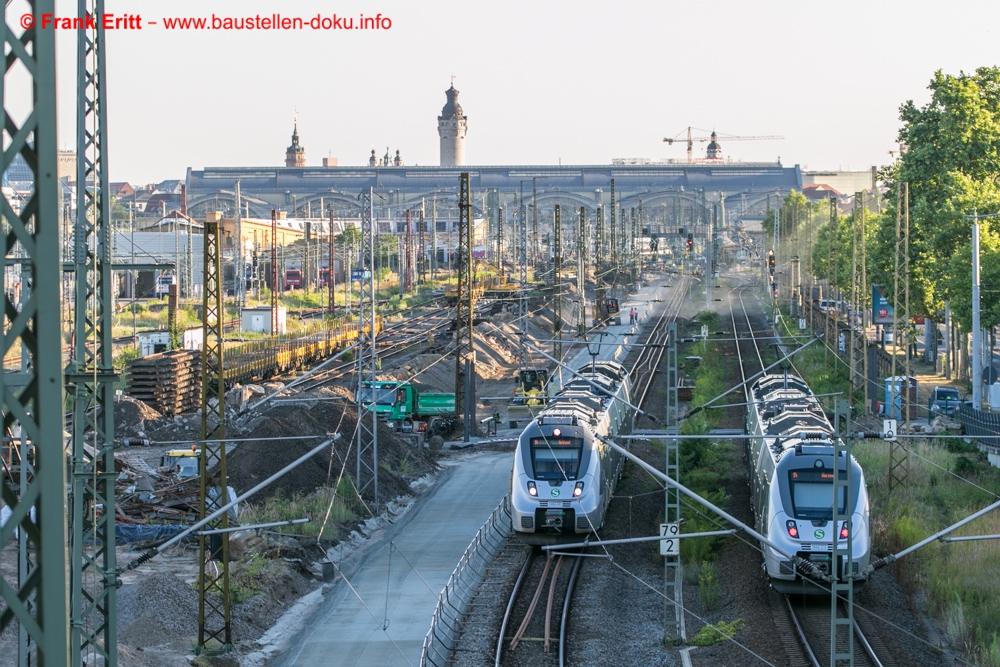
[715, 151]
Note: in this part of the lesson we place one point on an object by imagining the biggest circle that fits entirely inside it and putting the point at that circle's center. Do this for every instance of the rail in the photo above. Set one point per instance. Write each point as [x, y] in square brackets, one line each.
[456, 596]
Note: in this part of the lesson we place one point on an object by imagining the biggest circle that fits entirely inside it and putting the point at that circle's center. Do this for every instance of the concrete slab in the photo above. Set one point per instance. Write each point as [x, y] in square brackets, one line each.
[379, 613]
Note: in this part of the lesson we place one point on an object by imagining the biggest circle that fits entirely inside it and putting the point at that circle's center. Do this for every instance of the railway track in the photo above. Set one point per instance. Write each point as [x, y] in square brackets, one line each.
[811, 619]
[553, 577]
[393, 340]
[806, 619]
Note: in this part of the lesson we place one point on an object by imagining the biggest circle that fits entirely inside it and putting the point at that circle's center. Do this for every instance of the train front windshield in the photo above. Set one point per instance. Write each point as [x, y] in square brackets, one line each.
[812, 494]
[556, 458]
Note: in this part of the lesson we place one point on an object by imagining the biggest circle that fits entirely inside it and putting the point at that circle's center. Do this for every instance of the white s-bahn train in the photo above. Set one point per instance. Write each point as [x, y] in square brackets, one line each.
[790, 454]
[563, 475]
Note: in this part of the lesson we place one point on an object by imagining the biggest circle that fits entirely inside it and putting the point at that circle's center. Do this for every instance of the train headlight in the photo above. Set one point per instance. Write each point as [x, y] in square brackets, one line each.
[793, 530]
[532, 489]
[557, 432]
[845, 531]
[578, 489]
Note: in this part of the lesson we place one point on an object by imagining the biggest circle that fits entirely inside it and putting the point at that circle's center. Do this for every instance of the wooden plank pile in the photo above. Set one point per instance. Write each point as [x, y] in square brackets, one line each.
[170, 382]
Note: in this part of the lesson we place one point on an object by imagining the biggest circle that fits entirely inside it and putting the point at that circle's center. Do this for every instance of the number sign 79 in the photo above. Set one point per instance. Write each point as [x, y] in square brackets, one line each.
[669, 547]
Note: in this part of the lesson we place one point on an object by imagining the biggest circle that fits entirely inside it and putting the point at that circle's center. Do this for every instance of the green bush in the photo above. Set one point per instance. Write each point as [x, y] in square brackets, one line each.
[713, 634]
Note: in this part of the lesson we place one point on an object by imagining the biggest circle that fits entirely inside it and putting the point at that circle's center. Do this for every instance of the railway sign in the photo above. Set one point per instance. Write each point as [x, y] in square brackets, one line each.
[704, 331]
[889, 430]
[669, 547]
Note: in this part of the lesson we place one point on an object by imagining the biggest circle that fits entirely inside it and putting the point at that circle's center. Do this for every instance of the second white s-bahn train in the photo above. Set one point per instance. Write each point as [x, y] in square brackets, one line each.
[563, 475]
[790, 455]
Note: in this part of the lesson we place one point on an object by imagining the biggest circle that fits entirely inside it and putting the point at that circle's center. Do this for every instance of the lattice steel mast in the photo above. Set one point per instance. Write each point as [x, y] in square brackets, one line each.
[33, 399]
[897, 453]
[842, 578]
[90, 375]
[522, 304]
[859, 356]
[367, 445]
[408, 275]
[464, 346]
[673, 575]
[581, 272]
[557, 286]
[214, 618]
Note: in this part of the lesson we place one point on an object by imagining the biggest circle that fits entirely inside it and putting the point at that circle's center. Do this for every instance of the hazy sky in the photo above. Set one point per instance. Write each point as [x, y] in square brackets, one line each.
[582, 82]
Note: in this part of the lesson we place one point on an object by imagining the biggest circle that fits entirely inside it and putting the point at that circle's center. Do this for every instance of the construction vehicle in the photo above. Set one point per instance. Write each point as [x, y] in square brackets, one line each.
[384, 396]
[530, 396]
[606, 311]
[183, 462]
[415, 411]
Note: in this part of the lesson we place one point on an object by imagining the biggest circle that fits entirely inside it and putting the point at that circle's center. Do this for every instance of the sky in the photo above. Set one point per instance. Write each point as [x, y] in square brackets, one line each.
[578, 82]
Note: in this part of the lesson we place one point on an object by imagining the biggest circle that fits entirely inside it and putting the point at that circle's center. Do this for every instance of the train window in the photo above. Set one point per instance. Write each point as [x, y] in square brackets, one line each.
[556, 458]
[812, 494]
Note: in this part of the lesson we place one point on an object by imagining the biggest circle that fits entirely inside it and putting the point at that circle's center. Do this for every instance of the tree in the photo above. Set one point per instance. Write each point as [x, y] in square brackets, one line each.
[952, 165]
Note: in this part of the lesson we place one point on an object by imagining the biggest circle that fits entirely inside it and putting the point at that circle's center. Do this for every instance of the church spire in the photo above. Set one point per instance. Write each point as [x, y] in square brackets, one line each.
[295, 156]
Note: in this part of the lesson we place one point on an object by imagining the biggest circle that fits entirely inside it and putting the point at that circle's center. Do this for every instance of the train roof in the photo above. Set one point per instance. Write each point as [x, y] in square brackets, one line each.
[768, 384]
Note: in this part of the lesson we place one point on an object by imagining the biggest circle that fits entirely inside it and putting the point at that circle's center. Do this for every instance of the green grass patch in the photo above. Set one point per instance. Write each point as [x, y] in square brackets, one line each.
[314, 506]
[719, 632]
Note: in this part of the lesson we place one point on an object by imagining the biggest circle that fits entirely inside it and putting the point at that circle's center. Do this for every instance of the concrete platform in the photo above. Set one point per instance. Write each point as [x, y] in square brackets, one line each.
[384, 619]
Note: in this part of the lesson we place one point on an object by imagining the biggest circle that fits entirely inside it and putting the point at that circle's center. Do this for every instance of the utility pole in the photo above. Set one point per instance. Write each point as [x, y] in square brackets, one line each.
[464, 342]
[614, 238]
[434, 242]
[90, 375]
[422, 264]
[331, 274]
[557, 288]
[367, 444]
[831, 317]
[408, 280]
[534, 220]
[522, 304]
[581, 272]
[238, 269]
[214, 619]
[673, 579]
[34, 404]
[859, 339]
[275, 287]
[842, 578]
[901, 264]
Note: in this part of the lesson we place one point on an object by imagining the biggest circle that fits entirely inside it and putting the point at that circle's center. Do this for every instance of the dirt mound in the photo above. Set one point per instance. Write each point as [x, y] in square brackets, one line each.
[255, 460]
[131, 416]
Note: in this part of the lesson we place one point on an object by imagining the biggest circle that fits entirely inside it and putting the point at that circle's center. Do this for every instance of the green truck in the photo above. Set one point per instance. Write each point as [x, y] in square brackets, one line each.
[384, 396]
[430, 413]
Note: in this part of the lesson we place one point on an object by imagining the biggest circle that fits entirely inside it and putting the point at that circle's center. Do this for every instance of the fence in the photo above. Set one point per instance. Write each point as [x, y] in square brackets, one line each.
[983, 426]
[456, 596]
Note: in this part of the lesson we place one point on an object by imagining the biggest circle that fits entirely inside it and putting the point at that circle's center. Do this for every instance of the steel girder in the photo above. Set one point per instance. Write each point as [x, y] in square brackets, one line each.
[33, 399]
[90, 376]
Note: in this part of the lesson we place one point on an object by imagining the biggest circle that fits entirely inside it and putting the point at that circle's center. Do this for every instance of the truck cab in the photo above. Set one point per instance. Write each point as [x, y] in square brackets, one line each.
[384, 395]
